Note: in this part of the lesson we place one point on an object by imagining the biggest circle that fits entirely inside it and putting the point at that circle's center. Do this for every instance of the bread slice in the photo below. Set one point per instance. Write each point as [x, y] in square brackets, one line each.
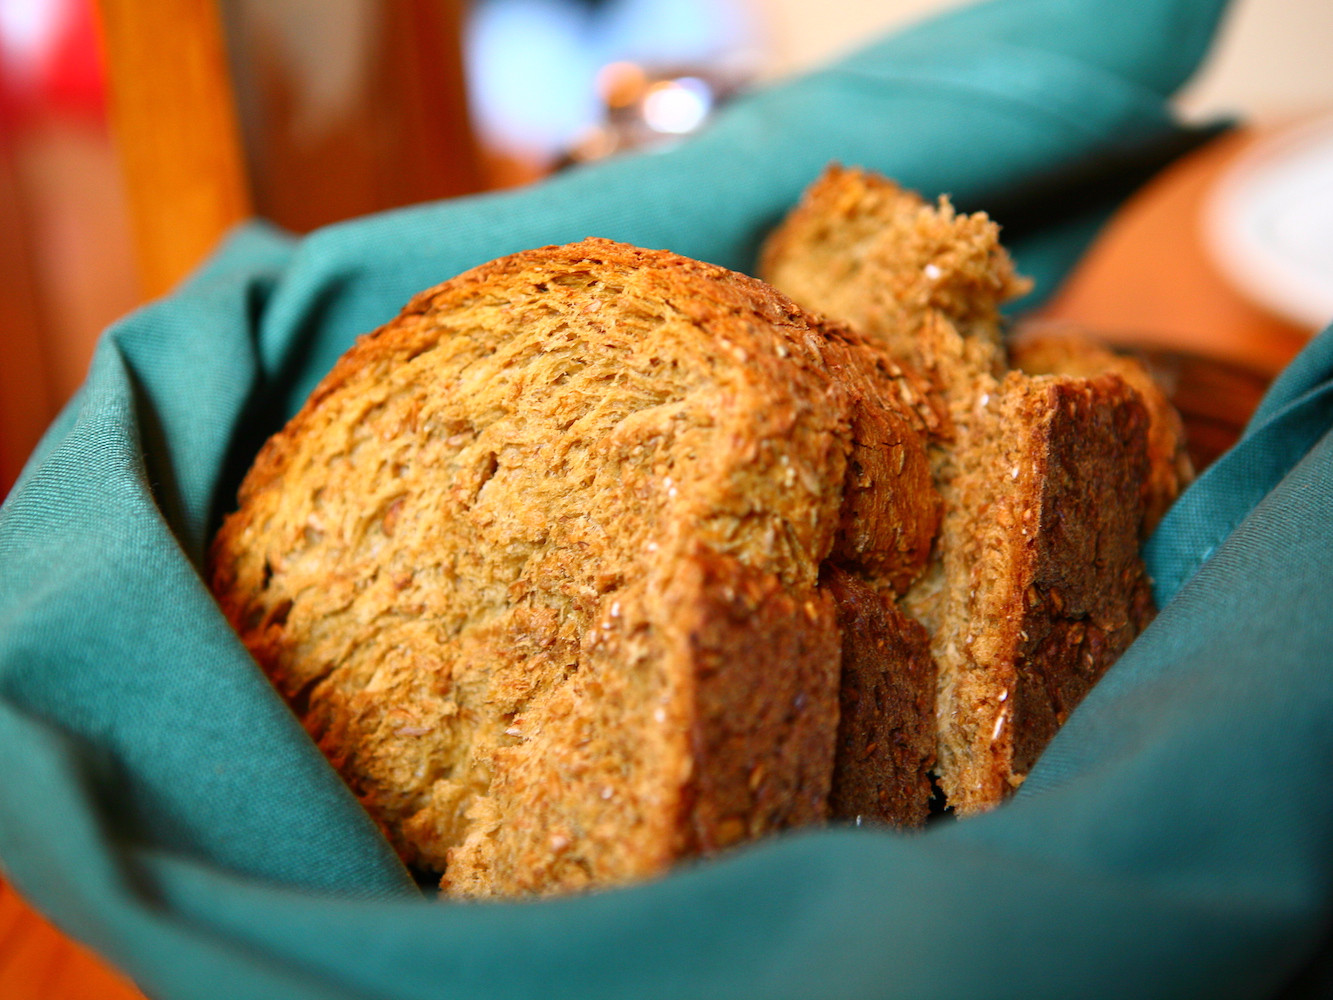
[701, 714]
[538, 562]
[1041, 585]
[1035, 585]
[886, 725]
[1064, 351]
[922, 279]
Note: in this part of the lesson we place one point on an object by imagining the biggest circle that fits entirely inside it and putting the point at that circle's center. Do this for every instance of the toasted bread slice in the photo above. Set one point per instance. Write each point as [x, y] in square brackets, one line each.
[1069, 352]
[1042, 587]
[923, 279]
[1042, 478]
[886, 724]
[538, 561]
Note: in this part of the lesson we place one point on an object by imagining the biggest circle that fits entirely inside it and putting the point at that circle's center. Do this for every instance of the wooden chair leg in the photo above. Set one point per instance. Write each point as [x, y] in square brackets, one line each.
[171, 105]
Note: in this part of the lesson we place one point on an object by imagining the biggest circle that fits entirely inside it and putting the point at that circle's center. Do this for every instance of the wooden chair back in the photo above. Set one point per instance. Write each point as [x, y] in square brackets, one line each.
[206, 105]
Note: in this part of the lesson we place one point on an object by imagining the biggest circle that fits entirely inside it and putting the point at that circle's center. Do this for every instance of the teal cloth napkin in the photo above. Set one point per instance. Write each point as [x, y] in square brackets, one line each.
[159, 801]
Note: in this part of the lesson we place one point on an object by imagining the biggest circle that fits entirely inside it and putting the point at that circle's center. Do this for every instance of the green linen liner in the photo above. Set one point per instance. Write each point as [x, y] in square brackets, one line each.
[160, 802]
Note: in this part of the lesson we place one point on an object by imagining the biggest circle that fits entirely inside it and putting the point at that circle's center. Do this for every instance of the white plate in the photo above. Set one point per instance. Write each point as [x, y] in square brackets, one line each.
[1269, 224]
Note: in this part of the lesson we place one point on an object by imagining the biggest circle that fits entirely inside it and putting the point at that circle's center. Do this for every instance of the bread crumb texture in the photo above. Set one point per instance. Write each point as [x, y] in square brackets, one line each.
[1070, 352]
[1035, 585]
[596, 557]
[538, 563]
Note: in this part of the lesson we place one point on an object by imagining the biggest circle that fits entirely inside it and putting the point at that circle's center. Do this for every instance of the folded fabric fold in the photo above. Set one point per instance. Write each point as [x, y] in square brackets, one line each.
[161, 803]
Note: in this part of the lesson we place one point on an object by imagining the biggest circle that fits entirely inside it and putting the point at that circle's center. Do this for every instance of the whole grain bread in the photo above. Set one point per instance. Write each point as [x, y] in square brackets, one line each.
[1040, 584]
[886, 724]
[923, 279]
[1035, 585]
[1041, 350]
[538, 563]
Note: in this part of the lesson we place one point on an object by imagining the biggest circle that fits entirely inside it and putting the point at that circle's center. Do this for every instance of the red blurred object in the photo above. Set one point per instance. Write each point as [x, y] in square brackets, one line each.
[55, 67]
[75, 78]
[65, 268]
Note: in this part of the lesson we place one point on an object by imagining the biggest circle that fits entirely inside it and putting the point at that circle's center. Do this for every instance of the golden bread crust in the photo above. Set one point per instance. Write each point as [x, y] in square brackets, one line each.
[864, 251]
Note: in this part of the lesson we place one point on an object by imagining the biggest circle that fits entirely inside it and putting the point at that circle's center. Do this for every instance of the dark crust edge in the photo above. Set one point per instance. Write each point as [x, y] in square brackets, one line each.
[886, 725]
[766, 694]
[1088, 594]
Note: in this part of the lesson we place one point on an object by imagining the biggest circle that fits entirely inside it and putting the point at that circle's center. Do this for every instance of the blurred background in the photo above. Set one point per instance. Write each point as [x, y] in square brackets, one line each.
[333, 108]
